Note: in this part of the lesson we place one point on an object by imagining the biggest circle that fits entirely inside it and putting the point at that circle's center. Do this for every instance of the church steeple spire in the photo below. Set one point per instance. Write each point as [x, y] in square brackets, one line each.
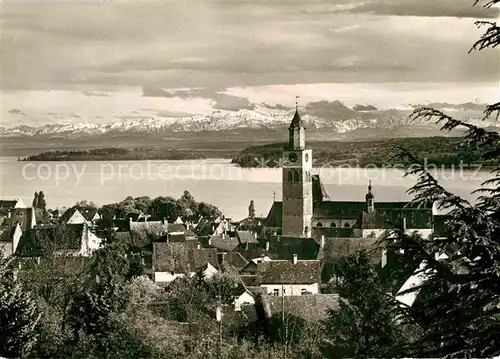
[370, 204]
[296, 130]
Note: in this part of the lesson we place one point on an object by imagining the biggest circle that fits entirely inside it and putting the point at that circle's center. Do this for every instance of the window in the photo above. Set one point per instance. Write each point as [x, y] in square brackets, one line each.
[276, 292]
[303, 291]
[346, 225]
[296, 176]
[333, 225]
[290, 178]
[319, 224]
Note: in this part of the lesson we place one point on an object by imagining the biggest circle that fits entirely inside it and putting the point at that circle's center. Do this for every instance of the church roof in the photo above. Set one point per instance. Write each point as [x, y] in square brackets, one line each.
[296, 121]
[318, 190]
[389, 218]
[338, 210]
[352, 210]
[274, 219]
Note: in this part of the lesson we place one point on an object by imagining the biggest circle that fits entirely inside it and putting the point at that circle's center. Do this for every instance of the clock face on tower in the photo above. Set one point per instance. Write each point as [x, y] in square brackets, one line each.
[292, 157]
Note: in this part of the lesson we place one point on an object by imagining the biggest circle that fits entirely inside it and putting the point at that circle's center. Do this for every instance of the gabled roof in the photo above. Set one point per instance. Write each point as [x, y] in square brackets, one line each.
[312, 308]
[338, 210]
[282, 247]
[170, 257]
[393, 218]
[246, 237]
[33, 242]
[200, 257]
[225, 244]
[176, 227]
[177, 237]
[89, 213]
[287, 272]
[232, 259]
[274, 217]
[337, 248]
[250, 251]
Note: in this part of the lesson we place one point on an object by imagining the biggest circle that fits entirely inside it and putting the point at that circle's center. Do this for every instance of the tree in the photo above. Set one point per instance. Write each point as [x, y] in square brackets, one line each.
[19, 315]
[84, 204]
[42, 204]
[460, 295]
[251, 210]
[365, 324]
[35, 200]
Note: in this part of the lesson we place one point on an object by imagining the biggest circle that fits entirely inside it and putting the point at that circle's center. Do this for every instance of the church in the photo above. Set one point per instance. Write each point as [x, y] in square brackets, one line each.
[307, 211]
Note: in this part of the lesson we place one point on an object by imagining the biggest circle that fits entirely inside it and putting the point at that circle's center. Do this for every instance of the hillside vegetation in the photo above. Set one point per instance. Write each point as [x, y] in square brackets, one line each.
[440, 151]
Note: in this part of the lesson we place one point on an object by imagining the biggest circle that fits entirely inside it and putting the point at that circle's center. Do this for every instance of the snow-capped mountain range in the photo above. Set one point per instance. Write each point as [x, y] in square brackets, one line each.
[339, 119]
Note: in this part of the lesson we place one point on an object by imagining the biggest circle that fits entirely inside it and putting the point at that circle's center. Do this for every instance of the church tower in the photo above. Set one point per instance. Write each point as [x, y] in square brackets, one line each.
[297, 182]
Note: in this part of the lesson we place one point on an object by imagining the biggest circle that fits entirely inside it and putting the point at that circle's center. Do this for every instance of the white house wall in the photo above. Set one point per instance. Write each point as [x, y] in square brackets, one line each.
[166, 277]
[245, 298]
[76, 218]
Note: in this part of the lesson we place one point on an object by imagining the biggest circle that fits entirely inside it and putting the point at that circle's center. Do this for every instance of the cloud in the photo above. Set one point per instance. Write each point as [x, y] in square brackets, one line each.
[16, 111]
[217, 45]
[436, 8]
[327, 109]
[221, 101]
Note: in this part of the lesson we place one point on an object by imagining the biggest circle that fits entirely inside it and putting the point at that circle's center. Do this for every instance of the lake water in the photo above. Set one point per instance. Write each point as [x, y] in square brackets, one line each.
[214, 181]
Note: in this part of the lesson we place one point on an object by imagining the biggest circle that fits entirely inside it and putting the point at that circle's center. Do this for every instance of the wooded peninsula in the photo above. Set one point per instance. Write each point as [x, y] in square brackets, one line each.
[440, 151]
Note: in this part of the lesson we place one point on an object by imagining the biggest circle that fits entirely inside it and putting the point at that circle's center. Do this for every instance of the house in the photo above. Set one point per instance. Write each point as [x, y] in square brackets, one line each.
[15, 219]
[76, 215]
[242, 297]
[246, 237]
[223, 225]
[223, 243]
[176, 259]
[231, 260]
[68, 240]
[285, 277]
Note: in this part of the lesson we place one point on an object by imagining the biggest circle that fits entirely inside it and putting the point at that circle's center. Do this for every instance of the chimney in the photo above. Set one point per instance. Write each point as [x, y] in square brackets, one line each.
[267, 246]
[322, 241]
[295, 259]
[384, 258]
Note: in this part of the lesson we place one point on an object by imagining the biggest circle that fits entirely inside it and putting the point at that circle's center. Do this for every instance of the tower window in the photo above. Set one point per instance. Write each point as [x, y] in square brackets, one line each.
[319, 224]
[333, 225]
[296, 176]
[290, 177]
[346, 225]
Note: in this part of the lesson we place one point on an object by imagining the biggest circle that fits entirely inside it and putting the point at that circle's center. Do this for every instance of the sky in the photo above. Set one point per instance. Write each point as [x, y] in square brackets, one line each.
[70, 61]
